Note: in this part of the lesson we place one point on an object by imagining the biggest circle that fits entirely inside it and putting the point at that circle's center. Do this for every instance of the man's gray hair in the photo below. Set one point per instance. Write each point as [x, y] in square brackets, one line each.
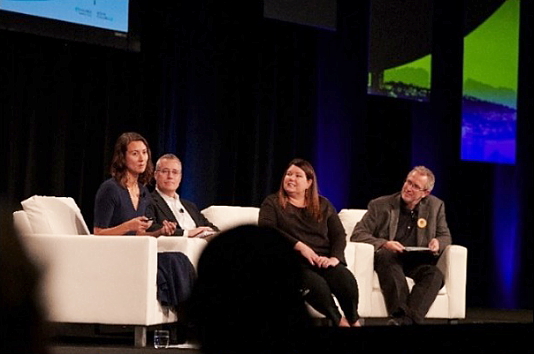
[167, 157]
[422, 170]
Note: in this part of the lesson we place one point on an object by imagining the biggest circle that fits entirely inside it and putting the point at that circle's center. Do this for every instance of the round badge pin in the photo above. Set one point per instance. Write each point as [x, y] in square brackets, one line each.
[422, 223]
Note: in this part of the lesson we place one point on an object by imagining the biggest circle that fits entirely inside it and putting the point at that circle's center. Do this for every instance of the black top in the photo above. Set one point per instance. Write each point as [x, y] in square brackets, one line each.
[327, 237]
[406, 231]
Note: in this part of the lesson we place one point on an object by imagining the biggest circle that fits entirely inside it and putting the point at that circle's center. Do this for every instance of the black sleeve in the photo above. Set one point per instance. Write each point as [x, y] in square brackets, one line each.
[268, 217]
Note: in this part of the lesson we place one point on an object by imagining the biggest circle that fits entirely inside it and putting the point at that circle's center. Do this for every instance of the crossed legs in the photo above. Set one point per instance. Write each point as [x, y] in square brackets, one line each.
[321, 283]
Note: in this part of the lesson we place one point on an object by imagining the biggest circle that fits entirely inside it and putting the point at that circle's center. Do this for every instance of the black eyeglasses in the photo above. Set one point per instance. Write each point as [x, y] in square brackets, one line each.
[166, 171]
[414, 186]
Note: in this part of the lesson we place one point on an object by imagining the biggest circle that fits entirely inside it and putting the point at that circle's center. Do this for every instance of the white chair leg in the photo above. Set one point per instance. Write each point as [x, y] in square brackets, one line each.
[140, 336]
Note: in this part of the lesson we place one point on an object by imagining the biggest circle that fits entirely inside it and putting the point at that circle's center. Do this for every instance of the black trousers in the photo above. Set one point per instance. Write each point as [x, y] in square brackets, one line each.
[321, 283]
[392, 268]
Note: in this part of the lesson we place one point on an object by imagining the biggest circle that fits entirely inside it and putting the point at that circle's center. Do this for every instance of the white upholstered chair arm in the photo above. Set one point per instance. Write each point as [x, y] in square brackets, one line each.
[359, 257]
[191, 247]
[226, 217]
[453, 263]
[91, 278]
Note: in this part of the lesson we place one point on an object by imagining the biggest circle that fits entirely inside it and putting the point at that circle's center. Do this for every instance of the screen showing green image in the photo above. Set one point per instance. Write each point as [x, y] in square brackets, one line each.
[490, 82]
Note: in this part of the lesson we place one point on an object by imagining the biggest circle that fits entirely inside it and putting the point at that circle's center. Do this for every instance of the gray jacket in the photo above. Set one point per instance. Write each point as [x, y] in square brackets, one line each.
[380, 222]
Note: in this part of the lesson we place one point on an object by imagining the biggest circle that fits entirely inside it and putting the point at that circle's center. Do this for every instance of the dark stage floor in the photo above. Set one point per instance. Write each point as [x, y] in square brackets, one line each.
[483, 331]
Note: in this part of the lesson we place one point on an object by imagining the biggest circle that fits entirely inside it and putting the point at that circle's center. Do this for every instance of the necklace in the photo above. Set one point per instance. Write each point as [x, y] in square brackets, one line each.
[133, 191]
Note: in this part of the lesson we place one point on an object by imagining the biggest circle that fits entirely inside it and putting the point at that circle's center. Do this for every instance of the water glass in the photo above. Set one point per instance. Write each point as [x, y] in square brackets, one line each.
[161, 338]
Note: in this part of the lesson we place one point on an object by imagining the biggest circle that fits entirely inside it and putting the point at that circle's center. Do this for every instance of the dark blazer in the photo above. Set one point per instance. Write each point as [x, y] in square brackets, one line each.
[160, 211]
[380, 222]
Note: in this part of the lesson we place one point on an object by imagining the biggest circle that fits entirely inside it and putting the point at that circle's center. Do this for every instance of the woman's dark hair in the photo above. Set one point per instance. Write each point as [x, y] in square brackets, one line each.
[312, 199]
[248, 293]
[118, 163]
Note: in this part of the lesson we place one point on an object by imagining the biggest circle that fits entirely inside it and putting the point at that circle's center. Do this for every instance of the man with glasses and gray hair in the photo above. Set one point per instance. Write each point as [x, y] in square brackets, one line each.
[409, 231]
[168, 208]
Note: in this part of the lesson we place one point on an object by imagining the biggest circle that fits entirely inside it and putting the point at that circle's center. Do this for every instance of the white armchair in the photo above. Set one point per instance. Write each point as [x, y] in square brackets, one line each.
[96, 279]
[451, 300]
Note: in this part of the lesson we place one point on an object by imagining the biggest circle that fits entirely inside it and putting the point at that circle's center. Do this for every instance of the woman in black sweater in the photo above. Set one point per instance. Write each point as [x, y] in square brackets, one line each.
[312, 224]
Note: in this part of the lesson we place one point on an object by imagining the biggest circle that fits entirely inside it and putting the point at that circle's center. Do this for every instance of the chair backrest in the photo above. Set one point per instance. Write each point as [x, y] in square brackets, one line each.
[21, 223]
[349, 218]
[227, 217]
[54, 215]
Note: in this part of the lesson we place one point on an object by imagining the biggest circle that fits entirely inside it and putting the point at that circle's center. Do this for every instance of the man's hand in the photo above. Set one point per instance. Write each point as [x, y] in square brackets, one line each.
[306, 252]
[198, 230]
[434, 245]
[393, 246]
[168, 228]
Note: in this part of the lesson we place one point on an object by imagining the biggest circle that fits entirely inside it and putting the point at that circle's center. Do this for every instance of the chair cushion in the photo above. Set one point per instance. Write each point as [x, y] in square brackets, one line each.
[349, 218]
[54, 215]
[228, 217]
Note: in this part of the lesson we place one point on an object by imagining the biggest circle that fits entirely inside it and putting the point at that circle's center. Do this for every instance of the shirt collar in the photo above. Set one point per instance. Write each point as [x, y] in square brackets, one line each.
[404, 208]
[166, 197]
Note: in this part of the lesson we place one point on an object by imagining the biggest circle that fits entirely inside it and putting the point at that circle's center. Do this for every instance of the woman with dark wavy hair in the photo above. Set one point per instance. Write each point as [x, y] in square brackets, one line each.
[121, 201]
[312, 224]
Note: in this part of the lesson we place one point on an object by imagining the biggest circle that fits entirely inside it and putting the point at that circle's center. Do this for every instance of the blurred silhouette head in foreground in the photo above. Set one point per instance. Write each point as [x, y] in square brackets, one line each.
[21, 314]
[248, 294]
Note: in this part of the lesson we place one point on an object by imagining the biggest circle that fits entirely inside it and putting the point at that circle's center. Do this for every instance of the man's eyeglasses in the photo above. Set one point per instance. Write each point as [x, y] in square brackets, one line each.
[166, 171]
[414, 186]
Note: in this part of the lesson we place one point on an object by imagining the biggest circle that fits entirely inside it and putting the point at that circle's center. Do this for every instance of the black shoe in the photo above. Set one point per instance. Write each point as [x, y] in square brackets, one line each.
[400, 321]
[394, 322]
